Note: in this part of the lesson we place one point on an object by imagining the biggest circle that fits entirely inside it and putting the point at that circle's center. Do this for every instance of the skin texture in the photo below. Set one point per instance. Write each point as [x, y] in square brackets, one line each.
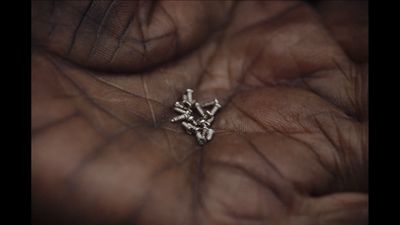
[291, 141]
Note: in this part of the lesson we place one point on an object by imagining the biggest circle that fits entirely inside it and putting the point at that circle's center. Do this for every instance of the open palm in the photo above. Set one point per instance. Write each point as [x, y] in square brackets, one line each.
[291, 137]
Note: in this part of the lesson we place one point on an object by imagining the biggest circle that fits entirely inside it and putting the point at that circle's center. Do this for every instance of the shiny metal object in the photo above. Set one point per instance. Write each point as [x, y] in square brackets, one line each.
[213, 102]
[209, 135]
[210, 120]
[215, 108]
[189, 127]
[197, 124]
[200, 138]
[180, 117]
[180, 110]
[199, 109]
[179, 105]
[189, 94]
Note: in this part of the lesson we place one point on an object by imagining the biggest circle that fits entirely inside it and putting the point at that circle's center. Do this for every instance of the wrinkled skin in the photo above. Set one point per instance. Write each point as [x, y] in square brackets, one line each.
[291, 144]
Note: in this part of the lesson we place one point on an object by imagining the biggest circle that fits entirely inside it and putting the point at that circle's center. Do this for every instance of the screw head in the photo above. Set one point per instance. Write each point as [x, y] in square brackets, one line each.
[200, 138]
[204, 123]
[209, 135]
[179, 105]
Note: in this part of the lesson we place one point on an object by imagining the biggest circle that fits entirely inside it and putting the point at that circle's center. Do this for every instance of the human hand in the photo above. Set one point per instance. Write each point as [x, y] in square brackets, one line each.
[291, 144]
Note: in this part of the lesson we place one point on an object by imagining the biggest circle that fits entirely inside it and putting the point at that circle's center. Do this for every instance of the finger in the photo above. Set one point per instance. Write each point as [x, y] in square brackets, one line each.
[348, 23]
[124, 36]
[297, 51]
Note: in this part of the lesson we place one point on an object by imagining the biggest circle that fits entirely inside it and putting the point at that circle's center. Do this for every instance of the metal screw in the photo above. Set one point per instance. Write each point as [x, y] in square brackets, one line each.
[180, 110]
[189, 95]
[180, 117]
[186, 102]
[210, 120]
[197, 124]
[214, 109]
[204, 123]
[204, 131]
[184, 97]
[200, 138]
[179, 105]
[189, 127]
[191, 119]
[199, 109]
[213, 102]
[210, 133]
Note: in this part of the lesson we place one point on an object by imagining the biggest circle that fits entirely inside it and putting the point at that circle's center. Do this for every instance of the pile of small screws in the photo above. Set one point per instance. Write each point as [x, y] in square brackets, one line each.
[196, 118]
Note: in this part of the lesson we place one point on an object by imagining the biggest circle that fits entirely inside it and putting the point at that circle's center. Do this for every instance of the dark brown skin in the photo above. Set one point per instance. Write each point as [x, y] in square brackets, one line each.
[291, 142]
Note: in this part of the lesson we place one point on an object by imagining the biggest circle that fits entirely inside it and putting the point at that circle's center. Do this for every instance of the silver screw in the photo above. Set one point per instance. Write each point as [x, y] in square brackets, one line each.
[205, 123]
[210, 133]
[191, 119]
[214, 109]
[200, 138]
[189, 95]
[189, 127]
[179, 110]
[210, 120]
[204, 131]
[179, 105]
[199, 124]
[180, 117]
[186, 102]
[213, 102]
[199, 109]
[184, 97]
